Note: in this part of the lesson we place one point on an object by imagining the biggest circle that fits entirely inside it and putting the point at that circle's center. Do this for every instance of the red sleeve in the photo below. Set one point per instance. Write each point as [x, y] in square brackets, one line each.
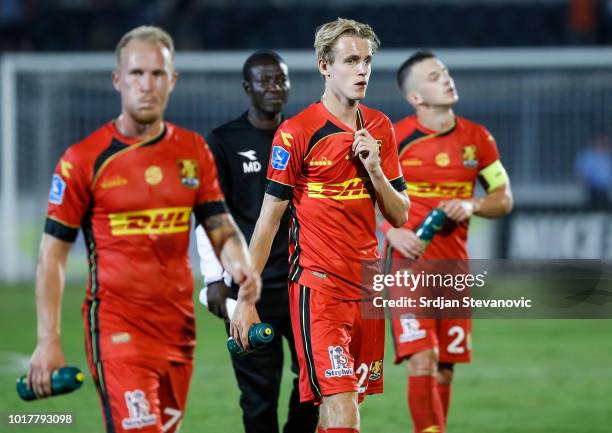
[209, 199]
[286, 157]
[488, 152]
[69, 197]
[390, 160]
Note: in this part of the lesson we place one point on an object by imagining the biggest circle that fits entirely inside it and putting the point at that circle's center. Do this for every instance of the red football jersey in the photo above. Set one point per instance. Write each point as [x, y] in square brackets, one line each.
[441, 166]
[333, 224]
[134, 201]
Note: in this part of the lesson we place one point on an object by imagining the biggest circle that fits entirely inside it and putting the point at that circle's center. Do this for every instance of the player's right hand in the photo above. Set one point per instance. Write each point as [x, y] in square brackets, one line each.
[406, 242]
[245, 315]
[250, 284]
[216, 296]
[47, 356]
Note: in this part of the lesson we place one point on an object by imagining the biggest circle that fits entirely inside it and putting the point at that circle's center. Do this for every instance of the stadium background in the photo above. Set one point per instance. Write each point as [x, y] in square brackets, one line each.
[538, 74]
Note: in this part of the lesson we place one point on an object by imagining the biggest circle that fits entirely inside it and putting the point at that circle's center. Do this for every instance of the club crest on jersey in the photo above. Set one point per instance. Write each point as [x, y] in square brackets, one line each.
[469, 156]
[138, 410]
[376, 369]
[280, 158]
[58, 188]
[339, 363]
[188, 169]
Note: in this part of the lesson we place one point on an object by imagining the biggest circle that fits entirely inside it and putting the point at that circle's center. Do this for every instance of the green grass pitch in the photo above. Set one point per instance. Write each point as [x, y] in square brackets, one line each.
[528, 376]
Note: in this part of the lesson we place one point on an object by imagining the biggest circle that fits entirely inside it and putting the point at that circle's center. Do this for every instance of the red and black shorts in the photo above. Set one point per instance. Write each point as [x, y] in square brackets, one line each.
[338, 348]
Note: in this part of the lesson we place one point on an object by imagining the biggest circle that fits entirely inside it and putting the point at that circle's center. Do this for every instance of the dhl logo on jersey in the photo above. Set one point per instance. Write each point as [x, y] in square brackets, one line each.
[441, 189]
[352, 189]
[150, 221]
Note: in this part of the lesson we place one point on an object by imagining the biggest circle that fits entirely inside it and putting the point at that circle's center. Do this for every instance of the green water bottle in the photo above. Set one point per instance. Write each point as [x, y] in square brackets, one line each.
[63, 381]
[431, 225]
[260, 334]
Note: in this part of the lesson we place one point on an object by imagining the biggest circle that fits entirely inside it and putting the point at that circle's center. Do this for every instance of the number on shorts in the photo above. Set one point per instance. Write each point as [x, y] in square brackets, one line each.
[175, 416]
[362, 372]
[455, 346]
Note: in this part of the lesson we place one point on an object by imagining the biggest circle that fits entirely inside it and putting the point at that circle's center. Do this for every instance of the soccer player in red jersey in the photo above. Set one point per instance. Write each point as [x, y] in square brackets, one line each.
[132, 187]
[331, 164]
[441, 155]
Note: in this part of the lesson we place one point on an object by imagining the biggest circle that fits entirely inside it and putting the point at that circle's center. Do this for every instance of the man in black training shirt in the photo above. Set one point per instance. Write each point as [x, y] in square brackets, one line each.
[242, 149]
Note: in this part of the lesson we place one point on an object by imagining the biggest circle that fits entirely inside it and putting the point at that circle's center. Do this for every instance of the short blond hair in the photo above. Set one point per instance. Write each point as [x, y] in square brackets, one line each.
[145, 33]
[327, 35]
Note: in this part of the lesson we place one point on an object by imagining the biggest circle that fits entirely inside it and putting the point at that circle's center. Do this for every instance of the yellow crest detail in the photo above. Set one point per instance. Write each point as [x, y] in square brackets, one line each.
[376, 369]
[379, 145]
[470, 159]
[188, 169]
[469, 152]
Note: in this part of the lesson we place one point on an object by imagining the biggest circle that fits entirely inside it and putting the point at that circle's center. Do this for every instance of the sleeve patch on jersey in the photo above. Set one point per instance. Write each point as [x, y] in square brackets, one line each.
[280, 158]
[58, 188]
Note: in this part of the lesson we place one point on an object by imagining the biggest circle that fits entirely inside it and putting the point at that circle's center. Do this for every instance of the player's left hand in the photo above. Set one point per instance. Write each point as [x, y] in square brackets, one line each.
[366, 147]
[458, 210]
[245, 315]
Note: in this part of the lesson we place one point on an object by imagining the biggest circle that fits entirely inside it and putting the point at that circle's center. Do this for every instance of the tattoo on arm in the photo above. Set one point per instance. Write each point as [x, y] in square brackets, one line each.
[236, 240]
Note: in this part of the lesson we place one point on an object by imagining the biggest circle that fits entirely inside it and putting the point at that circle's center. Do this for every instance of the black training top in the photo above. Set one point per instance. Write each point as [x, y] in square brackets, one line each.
[242, 152]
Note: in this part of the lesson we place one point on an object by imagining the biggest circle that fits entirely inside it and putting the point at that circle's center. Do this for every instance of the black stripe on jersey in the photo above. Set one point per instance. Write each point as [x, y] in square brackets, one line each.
[307, 340]
[204, 211]
[414, 136]
[114, 147]
[60, 231]
[93, 319]
[157, 138]
[279, 190]
[448, 131]
[327, 129]
[360, 121]
[108, 414]
[94, 304]
[92, 253]
[399, 184]
[295, 270]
